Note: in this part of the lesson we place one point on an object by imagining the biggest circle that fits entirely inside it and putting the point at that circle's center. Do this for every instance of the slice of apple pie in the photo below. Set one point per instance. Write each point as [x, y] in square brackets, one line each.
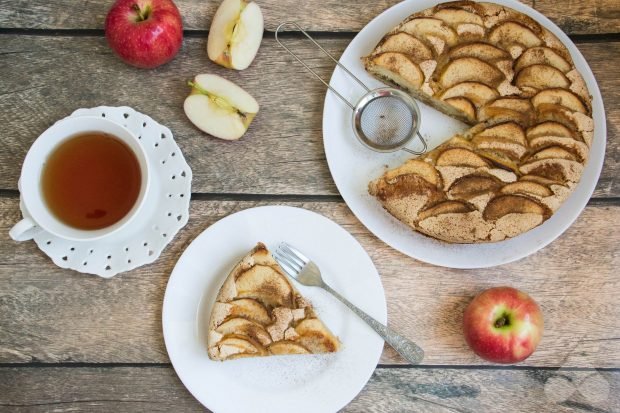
[258, 312]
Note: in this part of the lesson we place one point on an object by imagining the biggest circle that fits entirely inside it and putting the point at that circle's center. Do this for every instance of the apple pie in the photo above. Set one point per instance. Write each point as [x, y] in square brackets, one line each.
[515, 83]
[258, 312]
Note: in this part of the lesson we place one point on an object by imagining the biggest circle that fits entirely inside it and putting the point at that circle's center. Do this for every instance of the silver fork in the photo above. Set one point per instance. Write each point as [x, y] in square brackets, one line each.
[306, 272]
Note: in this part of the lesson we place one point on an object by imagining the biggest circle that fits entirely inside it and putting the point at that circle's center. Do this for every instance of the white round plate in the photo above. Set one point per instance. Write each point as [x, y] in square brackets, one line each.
[314, 383]
[165, 211]
[353, 166]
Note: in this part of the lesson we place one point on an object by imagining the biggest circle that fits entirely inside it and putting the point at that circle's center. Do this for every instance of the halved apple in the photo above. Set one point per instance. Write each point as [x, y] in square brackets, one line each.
[219, 107]
[470, 69]
[405, 43]
[475, 92]
[542, 55]
[236, 33]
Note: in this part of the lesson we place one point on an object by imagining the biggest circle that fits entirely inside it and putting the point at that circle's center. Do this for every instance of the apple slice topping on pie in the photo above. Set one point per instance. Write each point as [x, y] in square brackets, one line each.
[530, 111]
[258, 312]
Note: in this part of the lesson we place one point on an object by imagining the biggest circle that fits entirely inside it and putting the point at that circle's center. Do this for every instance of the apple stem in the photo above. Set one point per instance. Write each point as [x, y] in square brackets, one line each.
[502, 321]
[143, 14]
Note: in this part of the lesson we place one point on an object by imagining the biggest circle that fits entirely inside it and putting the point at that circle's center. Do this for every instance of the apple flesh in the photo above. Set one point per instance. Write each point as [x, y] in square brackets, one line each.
[503, 325]
[235, 34]
[144, 33]
[219, 107]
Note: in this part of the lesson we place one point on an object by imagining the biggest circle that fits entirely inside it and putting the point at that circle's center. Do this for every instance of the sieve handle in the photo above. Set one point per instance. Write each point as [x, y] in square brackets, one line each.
[312, 71]
[424, 146]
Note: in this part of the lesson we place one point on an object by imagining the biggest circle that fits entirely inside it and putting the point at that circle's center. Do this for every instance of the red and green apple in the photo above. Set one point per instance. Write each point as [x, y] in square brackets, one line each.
[503, 325]
[144, 33]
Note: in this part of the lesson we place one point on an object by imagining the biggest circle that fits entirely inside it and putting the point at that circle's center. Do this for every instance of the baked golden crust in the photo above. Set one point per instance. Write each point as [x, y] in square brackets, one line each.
[258, 312]
[499, 70]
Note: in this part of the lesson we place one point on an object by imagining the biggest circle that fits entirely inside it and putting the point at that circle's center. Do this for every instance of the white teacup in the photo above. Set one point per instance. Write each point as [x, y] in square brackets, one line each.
[37, 216]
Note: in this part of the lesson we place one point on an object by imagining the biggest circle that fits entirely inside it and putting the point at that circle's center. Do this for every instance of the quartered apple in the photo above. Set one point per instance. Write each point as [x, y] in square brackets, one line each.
[235, 34]
[219, 107]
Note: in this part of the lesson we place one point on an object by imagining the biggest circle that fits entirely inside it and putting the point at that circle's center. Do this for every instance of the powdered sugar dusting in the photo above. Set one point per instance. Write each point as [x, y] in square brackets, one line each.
[275, 383]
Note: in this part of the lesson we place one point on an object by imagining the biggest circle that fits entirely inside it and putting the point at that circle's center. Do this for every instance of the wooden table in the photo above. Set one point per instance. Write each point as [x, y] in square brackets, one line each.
[72, 342]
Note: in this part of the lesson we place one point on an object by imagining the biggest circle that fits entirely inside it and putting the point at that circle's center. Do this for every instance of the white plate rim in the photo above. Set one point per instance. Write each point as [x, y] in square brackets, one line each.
[471, 255]
[378, 310]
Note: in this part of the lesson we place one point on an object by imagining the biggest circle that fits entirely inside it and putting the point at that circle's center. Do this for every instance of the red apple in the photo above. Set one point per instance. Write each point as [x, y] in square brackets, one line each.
[503, 325]
[144, 33]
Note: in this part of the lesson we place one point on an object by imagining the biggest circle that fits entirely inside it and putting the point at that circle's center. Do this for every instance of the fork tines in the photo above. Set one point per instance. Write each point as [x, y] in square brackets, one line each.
[290, 259]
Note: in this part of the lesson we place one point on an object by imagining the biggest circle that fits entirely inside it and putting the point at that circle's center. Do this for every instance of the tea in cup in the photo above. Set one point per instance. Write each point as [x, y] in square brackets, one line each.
[83, 179]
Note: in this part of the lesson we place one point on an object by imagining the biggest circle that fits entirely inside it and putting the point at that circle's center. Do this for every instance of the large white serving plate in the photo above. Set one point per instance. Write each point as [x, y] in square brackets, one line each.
[353, 166]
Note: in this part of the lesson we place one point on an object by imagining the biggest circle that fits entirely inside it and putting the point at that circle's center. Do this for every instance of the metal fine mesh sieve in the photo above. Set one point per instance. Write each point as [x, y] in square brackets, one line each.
[384, 119]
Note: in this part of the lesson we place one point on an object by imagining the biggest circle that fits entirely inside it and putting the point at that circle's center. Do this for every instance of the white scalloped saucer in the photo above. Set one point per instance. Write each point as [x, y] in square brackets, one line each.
[165, 211]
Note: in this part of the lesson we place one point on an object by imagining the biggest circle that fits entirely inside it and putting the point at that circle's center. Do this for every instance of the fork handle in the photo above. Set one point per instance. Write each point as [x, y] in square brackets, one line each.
[405, 347]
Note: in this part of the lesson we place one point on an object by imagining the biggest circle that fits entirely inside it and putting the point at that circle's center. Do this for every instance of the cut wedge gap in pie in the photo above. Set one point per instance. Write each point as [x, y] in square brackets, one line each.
[530, 111]
[258, 312]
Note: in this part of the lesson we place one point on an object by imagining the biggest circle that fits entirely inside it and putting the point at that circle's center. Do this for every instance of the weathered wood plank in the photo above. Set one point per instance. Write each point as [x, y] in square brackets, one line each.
[53, 315]
[582, 17]
[46, 78]
[574, 17]
[157, 389]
